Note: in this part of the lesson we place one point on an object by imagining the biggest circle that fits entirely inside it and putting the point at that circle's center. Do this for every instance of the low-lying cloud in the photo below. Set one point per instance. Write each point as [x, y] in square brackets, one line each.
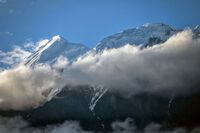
[128, 126]
[172, 67]
[18, 125]
[24, 87]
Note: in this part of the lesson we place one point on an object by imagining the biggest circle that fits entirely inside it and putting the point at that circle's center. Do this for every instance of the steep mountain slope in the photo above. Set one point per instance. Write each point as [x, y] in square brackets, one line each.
[54, 48]
[196, 30]
[146, 35]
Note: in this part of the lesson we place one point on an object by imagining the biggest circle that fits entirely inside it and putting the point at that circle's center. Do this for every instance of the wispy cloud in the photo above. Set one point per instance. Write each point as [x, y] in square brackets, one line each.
[11, 11]
[6, 33]
[3, 1]
[35, 46]
[16, 56]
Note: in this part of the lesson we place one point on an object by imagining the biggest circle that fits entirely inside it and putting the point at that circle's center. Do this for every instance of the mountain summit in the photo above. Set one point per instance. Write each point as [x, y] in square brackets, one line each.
[54, 48]
[146, 35]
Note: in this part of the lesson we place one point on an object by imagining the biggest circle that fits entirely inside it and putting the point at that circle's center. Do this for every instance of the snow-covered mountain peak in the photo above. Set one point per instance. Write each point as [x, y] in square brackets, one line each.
[57, 46]
[147, 34]
[197, 27]
[155, 25]
[196, 30]
[57, 37]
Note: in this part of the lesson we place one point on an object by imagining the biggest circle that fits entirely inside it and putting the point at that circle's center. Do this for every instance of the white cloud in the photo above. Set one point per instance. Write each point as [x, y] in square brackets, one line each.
[29, 45]
[35, 46]
[171, 67]
[40, 44]
[24, 87]
[16, 56]
[6, 33]
[61, 63]
[11, 11]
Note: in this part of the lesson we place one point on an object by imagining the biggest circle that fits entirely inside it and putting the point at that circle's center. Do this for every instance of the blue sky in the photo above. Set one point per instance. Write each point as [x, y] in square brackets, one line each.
[87, 21]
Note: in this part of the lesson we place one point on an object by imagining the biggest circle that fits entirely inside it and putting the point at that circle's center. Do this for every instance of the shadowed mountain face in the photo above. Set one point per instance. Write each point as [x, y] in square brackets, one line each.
[144, 108]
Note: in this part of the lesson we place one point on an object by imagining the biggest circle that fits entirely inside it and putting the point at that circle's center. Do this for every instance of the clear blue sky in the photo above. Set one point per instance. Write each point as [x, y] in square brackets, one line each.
[87, 21]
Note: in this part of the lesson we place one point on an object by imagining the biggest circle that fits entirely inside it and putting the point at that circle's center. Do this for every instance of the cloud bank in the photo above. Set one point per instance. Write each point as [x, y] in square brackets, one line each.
[172, 67]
